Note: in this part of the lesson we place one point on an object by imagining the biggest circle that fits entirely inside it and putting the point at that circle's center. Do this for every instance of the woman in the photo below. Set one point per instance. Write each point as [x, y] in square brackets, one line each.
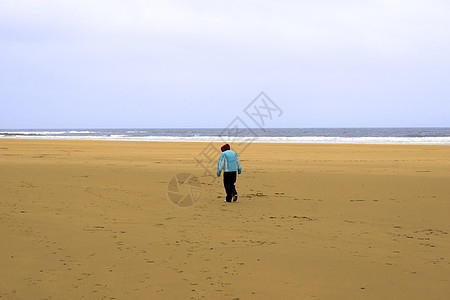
[230, 164]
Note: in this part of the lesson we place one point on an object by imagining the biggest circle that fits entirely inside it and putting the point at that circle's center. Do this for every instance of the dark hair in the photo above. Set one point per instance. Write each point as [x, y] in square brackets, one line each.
[225, 147]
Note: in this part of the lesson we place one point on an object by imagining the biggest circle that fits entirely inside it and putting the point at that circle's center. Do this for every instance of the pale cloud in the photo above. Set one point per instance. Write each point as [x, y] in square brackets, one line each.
[383, 26]
[367, 54]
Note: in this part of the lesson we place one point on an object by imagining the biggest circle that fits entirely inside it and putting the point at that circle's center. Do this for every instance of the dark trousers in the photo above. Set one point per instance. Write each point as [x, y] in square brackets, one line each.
[229, 179]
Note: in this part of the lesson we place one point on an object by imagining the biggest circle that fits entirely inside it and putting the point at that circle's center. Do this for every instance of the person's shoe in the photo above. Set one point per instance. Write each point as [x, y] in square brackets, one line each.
[227, 201]
[235, 198]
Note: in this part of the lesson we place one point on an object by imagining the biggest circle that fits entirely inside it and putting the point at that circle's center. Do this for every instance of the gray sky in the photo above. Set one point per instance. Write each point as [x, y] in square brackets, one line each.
[110, 63]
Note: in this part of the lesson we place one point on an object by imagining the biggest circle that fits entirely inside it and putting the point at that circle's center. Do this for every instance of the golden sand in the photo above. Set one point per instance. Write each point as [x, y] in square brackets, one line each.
[92, 220]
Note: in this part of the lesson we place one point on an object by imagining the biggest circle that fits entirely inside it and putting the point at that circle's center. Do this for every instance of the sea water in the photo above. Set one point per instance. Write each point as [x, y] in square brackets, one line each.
[262, 135]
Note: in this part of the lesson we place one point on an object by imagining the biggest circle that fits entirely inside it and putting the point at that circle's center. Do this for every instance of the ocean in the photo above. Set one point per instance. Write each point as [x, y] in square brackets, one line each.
[266, 135]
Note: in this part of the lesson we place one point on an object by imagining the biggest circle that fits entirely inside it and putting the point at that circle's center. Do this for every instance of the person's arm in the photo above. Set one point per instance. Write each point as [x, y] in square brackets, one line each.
[239, 164]
[221, 164]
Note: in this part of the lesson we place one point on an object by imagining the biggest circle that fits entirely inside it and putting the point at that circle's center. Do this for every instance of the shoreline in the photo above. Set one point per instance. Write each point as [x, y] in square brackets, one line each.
[344, 141]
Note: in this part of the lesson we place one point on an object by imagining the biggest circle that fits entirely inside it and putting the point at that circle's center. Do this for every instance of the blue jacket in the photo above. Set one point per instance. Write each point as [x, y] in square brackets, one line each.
[229, 162]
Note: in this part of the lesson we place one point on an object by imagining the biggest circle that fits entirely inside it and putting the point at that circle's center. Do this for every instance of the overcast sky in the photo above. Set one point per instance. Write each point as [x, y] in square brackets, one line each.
[198, 63]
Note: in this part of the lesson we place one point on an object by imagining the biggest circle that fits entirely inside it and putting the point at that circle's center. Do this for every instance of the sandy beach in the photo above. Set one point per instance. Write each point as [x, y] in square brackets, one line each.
[92, 220]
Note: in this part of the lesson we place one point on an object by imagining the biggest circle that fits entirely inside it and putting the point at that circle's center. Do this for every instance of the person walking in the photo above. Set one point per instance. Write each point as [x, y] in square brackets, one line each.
[230, 164]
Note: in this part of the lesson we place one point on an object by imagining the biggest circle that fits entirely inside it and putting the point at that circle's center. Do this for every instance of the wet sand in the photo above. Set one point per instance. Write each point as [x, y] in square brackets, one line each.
[92, 220]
